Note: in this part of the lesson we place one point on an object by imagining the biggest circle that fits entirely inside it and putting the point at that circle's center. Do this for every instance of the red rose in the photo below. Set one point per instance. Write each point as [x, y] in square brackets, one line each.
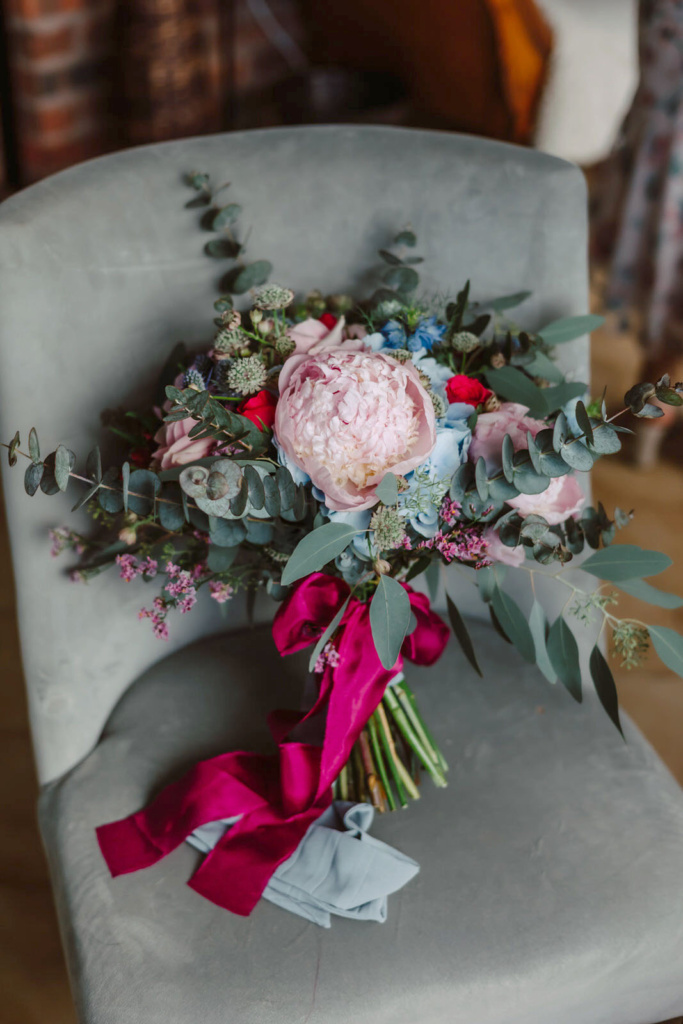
[260, 409]
[467, 389]
[328, 320]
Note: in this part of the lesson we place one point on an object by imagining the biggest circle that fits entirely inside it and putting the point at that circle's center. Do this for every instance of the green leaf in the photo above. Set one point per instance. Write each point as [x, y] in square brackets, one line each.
[226, 216]
[515, 386]
[226, 533]
[93, 464]
[33, 446]
[406, 237]
[110, 500]
[556, 397]
[539, 627]
[507, 301]
[286, 487]
[486, 582]
[65, 461]
[238, 504]
[433, 577]
[125, 477]
[220, 559]
[513, 623]
[387, 490]
[33, 476]
[576, 455]
[257, 496]
[584, 422]
[669, 646]
[605, 439]
[242, 279]
[481, 475]
[85, 498]
[317, 650]
[563, 652]
[652, 595]
[542, 366]
[605, 686]
[143, 489]
[222, 249]
[625, 562]
[569, 328]
[316, 549]
[12, 447]
[271, 495]
[403, 279]
[462, 635]
[172, 516]
[389, 619]
[258, 532]
[388, 257]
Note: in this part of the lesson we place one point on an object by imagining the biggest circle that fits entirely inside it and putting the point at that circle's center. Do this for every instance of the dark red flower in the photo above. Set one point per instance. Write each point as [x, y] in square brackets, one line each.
[260, 409]
[469, 390]
[328, 320]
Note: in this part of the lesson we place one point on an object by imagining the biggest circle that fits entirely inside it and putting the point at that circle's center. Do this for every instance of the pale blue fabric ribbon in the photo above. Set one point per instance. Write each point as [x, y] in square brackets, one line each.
[338, 868]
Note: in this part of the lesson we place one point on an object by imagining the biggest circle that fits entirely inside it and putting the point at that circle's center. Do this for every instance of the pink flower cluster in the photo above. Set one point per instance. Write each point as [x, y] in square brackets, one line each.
[130, 567]
[157, 613]
[220, 592]
[181, 586]
[465, 544]
[63, 538]
[450, 510]
[328, 656]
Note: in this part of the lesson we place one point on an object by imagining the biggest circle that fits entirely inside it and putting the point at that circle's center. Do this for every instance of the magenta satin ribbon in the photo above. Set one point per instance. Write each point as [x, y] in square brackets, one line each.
[280, 795]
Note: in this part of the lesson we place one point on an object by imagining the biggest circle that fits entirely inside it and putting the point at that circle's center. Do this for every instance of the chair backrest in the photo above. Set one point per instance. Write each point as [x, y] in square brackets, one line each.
[102, 270]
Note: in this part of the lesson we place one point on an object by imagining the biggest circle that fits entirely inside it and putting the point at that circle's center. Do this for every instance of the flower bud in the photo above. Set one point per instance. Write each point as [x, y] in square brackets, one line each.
[256, 317]
[498, 360]
[127, 535]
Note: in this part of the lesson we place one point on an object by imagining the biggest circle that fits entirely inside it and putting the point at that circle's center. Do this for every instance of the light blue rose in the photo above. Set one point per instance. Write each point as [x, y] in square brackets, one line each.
[298, 475]
[428, 484]
[361, 521]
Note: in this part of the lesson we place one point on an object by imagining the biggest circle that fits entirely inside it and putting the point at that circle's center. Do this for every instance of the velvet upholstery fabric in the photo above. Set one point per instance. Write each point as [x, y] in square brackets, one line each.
[102, 271]
[550, 868]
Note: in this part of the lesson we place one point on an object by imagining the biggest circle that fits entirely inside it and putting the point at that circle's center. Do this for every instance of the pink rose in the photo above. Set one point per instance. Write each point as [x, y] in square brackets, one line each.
[176, 448]
[492, 427]
[346, 418]
[562, 498]
[313, 336]
[500, 552]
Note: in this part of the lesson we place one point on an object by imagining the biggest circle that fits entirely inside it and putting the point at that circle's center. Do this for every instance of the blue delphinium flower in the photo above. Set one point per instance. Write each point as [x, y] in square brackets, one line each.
[394, 334]
[426, 334]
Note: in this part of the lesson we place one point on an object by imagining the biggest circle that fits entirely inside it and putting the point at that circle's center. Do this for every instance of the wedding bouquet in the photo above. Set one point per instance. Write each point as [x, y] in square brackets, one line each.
[332, 450]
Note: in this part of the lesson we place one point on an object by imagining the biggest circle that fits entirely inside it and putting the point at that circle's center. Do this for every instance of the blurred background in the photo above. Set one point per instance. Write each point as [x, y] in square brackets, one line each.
[599, 83]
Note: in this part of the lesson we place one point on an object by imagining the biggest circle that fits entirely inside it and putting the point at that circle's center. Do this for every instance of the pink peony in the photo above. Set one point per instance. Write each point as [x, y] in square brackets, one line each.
[562, 498]
[176, 448]
[346, 418]
[313, 336]
[492, 427]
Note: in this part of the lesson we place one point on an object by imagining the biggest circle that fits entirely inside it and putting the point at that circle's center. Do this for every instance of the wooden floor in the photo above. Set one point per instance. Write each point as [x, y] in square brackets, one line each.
[32, 976]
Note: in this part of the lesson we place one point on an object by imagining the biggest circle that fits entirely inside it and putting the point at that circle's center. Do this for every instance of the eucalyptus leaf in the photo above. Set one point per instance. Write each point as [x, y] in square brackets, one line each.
[513, 623]
[539, 629]
[486, 582]
[220, 559]
[316, 549]
[33, 476]
[569, 328]
[500, 490]
[171, 512]
[584, 422]
[109, 495]
[577, 455]
[33, 446]
[563, 652]
[507, 301]
[406, 237]
[257, 495]
[85, 498]
[669, 646]
[327, 634]
[226, 533]
[433, 577]
[222, 248]
[558, 396]
[387, 490]
[258, 532]
[542, 366]
[390, 258]
[390, 614]
[625, 562]
[605, 686]
[527, 481]
[462, 635]
[481, 477]
[286, 487]
[226, 216]
[403, 279]
[144, 487]
[652, 595]
[271, 495]
[242, 279]
[507, 452]
[605, 439]
[93, 464]
[125, 481]
[65, 461]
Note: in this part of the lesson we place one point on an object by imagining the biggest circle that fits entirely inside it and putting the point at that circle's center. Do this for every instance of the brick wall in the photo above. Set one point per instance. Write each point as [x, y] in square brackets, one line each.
[89, 76]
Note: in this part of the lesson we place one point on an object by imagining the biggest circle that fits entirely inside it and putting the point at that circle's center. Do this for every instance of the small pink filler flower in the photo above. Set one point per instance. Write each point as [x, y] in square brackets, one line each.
[347, 418]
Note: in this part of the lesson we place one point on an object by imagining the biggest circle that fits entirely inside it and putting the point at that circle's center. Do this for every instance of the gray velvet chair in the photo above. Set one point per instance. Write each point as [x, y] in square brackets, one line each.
[552, 867]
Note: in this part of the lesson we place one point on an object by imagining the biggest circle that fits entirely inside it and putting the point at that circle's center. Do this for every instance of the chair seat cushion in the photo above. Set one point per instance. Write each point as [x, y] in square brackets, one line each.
[551, 882]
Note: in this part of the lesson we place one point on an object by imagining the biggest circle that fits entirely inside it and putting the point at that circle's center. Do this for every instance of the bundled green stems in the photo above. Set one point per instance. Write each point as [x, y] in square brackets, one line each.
[385, 763]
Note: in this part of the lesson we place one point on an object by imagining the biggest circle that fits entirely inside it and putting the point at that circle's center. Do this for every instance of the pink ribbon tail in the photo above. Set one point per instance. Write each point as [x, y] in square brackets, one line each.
[279, 796]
